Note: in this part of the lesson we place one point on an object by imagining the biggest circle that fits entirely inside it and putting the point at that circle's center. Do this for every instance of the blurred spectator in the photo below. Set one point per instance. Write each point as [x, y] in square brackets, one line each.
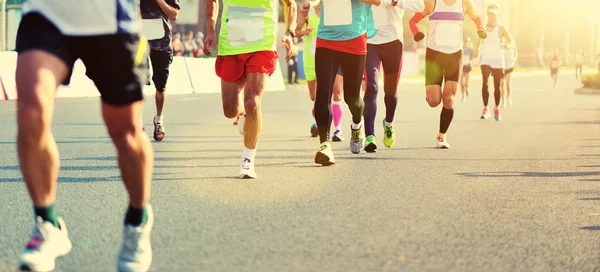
[189, 44]
[293, 64]
[177, 44]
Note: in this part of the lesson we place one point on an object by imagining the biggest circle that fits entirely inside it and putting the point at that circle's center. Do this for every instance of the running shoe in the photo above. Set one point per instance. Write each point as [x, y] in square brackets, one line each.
[389, 136]
[237, 120]
[46, 243]
[441, 142]
[485, 114]
[338, 136]
[497, 114]
[241, 123]
[370, 146]
[314, 131]
[357, 140]
[136, 249]
[159, 130]
[247, 170]
[325, 155]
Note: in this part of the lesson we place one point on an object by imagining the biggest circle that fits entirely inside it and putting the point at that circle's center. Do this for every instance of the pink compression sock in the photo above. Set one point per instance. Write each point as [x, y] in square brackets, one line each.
[336, 108]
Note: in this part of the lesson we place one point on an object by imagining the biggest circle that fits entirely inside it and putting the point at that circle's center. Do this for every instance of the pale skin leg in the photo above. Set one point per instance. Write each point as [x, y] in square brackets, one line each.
[450, 88]
[433, 95]
[338, 88]
[38, 75]
[508, 84]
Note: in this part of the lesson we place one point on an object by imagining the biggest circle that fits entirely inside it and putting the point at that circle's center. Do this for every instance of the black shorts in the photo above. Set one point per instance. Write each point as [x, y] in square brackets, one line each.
[467, 68]
[508, 71]
[115, 63]
[553, 71]
[441, 67]
[160, 68]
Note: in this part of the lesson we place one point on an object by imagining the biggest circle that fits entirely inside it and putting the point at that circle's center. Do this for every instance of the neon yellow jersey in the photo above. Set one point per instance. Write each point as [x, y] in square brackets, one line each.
[247, 26]
[310, 41]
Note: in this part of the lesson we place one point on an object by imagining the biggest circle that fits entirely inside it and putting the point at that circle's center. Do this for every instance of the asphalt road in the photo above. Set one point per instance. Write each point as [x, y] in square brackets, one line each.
[518, 195]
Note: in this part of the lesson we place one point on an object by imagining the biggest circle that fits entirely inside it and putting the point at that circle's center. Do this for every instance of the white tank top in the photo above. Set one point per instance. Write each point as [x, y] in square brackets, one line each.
[492, 52]
[446, 27]
[509, 58]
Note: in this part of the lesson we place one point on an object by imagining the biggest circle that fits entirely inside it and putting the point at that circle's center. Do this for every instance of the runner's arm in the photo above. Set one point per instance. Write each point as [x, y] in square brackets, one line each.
[299, 24]
[170, 9]
[212, 13]
[508, 38]
[472, 13]
[412, 5]
[289, 11]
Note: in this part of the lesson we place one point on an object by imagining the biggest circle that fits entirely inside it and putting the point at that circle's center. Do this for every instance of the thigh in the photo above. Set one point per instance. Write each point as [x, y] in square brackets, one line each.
[353, 67]
[37, 34]
[452, 66]
[486, 70]
[433, 69]
[116, 64]
[498, 74]
[326, 66]
[372, 63]
[391, 57]
[160, 66]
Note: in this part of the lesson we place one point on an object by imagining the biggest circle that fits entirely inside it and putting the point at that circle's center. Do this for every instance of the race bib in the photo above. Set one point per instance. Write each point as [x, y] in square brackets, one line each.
[245, 25]
[448, 34]
[554, 64]
[337, 12]
[380, 15]
[153, 29]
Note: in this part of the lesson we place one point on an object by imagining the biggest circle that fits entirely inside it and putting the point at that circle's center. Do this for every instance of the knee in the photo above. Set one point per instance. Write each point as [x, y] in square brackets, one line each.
[433, 101]
[448, 101]
[252, 105]
[230, 110]
[33, 119]
[122, 135]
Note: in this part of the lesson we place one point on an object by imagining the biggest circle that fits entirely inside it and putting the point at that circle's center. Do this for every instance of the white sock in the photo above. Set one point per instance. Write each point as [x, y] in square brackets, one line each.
[249, 153]
[325, 143]
[388, 124]
[356, 126]
[158, 119]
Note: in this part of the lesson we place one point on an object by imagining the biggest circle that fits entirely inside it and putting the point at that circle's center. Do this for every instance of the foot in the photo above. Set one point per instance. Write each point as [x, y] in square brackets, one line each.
[370, 146]
[441, 142]
[325, 155]
[136, 250]
[485, 114]
[46, 243]
[237, 120]
[338, 136]
[241, 122]
[389, 136]
[314, 131]
[247, 170]
[497, 114]
[159, 130]
[464, 98]
[357, 140]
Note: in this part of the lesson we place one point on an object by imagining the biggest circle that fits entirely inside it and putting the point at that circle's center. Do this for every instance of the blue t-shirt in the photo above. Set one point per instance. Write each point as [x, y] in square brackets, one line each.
[362, 21]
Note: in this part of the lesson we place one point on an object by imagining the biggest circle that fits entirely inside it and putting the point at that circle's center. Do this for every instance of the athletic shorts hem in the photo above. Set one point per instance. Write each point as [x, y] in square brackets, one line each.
[234, 67]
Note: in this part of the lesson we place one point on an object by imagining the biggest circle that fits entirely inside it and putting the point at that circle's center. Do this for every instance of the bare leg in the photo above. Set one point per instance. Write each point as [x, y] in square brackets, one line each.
[253, 93]
[38, 75]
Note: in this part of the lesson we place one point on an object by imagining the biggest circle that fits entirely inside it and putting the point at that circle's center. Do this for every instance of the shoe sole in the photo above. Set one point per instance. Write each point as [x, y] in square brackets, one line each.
[371, 148]
[159, 137]
[246, 176]
[356, 151]
[323, 159]
[337, 139]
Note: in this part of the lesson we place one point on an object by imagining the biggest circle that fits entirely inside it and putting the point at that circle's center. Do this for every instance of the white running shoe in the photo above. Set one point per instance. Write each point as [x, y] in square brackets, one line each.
[136, 248]
[241, 123]
[247, 170]
[46, 243]
[485, 114]
[325, 155]
[441, 142]
[358, 139]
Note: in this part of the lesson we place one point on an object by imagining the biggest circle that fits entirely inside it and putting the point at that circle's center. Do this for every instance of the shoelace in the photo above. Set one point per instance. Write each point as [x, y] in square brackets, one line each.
[355, 135]
[389, 131]
[131, 239]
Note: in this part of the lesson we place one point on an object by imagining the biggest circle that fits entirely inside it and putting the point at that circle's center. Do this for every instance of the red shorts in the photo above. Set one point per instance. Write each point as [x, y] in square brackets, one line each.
[232, 68]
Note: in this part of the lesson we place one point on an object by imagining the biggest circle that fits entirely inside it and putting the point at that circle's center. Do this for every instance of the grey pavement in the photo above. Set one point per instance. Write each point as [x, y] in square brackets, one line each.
[518, 195]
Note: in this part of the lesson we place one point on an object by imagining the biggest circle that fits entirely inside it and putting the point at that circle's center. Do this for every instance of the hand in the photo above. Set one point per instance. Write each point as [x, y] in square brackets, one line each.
[305, 8]
[482, 33]
[419, 36]
[307, 31]
[287, 41]
[209, 43]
